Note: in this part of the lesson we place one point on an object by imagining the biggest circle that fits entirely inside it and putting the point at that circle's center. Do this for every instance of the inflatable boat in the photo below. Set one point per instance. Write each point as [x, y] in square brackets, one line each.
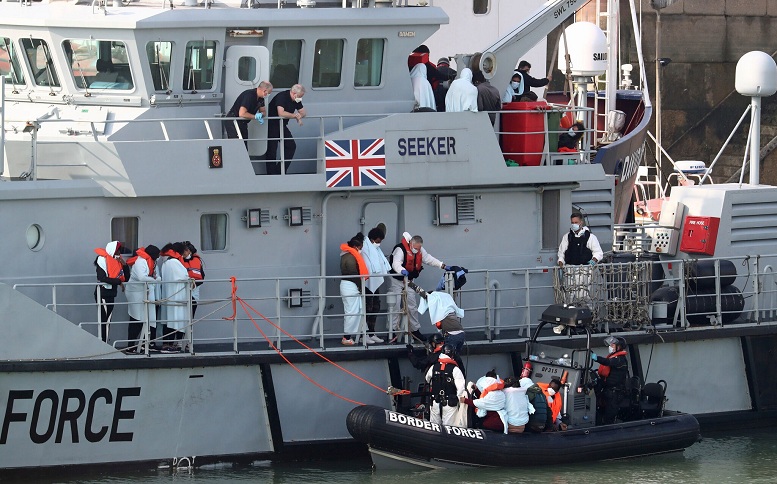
[396, 440]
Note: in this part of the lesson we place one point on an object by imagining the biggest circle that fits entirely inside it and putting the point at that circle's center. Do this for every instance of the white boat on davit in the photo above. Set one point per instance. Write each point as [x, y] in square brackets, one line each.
[135, 153]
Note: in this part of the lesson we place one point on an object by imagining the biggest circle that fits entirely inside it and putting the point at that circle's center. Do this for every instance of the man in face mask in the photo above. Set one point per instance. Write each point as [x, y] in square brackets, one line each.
[553, 394]
[521, 83]
[407, 260]
[376, 264]
[614, 374]
[579, 246]
[285, 105]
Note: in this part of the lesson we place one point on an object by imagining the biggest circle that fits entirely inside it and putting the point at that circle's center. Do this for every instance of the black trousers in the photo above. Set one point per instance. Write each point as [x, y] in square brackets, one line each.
[372, 308]
[229, 127]
[106, 309]
[273, 139]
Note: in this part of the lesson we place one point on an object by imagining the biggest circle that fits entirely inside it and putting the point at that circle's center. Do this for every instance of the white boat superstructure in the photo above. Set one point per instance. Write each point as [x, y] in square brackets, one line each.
[134, 151]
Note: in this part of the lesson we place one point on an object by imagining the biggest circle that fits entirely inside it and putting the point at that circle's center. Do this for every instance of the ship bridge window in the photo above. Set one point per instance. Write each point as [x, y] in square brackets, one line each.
[99, 64]
[369, 63]
[40, 61]
[213, 231]
[328, 62]
[9, 62]
[481, 7]
[199, 65]
[125, 230]
[286, 58]
[160, 55]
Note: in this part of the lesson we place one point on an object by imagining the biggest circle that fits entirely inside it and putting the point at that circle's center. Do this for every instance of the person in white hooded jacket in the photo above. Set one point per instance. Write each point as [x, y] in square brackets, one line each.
[517, 405]
[492, 400]
[462, 95]
[422, 90]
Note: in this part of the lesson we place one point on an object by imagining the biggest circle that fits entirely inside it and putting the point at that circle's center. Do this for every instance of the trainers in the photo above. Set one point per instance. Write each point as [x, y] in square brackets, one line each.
[375, 339]
[369, 340]
[347, 342]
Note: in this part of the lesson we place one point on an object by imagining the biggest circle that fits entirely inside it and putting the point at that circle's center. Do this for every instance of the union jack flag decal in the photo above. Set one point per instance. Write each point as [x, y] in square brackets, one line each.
[355, 163]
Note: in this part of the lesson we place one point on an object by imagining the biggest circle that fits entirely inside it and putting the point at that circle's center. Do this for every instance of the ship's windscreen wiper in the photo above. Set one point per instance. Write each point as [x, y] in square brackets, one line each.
[9, 49]
[49, 66]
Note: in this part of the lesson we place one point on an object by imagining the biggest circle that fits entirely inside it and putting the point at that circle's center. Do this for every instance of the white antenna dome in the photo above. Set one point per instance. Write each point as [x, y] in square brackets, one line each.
[756, 75]
[587, 50]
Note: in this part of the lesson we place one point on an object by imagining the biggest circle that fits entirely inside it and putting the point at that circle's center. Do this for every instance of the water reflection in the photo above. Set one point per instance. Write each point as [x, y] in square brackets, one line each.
[746, 457]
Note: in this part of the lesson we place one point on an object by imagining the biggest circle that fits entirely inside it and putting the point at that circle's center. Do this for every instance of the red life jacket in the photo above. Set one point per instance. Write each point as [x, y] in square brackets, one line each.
[114, 267]
[413, 263]
[194, 267]
[604, 371]
[142, 253]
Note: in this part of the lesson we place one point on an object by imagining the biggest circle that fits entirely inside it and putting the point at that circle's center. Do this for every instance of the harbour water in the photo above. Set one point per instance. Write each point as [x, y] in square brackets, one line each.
[749, 456]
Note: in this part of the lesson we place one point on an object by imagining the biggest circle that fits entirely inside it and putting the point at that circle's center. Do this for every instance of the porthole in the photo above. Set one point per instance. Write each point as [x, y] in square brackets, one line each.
[35, 237]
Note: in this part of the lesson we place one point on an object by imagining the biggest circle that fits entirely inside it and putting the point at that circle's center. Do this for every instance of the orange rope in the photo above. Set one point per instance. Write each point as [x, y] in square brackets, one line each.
[233, 280]
[244, 305]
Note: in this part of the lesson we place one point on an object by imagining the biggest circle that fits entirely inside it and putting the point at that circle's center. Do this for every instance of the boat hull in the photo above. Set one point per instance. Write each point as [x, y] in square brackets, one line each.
[408, 439]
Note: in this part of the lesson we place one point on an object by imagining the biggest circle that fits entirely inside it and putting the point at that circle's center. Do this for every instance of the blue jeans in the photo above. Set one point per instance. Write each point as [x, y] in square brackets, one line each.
[456, 340]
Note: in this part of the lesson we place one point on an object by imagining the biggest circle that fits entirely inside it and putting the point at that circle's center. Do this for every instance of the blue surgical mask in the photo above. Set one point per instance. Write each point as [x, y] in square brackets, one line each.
[575, 227]
[515, 85]
[611, 350]
[415, 251]
[299, 99]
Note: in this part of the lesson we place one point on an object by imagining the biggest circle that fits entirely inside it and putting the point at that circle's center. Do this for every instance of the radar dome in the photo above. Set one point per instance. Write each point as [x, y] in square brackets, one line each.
[756, 74]
[587, 50]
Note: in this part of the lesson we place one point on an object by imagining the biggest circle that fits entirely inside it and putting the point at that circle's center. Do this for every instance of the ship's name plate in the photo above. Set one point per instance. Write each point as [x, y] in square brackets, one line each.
[427, 146]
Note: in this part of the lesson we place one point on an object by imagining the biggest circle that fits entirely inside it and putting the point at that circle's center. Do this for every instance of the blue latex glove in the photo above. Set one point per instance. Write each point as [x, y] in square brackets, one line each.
[448, 268]
[593, 356]
[259, 117]
[592, 262]
[405, 273]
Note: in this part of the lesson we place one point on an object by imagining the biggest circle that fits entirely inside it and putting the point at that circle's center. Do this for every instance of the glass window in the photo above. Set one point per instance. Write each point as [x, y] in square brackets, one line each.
[328, 62]
[9, 62]
[551, 206]
[480, 7]
[99, 64]
[125, 230]
[41, 64]
[286, 58]
[160, 55]
[246, 69]
[369, 62]
[213, 231]
[199, 65]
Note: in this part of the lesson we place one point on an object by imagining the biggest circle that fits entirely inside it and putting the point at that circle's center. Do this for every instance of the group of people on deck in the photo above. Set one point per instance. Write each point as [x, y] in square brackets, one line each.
[364, 266]
[157, 283]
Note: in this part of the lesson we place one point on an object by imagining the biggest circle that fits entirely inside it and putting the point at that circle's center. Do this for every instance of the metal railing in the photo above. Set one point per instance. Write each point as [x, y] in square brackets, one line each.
[211, 128]
[498, 304]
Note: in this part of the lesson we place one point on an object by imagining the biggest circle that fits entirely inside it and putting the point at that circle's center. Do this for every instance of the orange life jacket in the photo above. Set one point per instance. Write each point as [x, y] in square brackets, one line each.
[194, 267]
[142, 254]
[554, 402]
[113, 266]
[363, 271]
[175, 255]
[604, 371]
[498, 385]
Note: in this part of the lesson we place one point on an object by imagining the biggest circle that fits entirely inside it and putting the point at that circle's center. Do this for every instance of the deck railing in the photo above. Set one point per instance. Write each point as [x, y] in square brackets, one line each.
[498, 304]
[537, 144]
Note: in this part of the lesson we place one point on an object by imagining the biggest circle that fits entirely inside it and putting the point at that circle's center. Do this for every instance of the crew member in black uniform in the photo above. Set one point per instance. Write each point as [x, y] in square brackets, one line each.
[613, 371]
[447, 386]
[579, 246]
[431, 355]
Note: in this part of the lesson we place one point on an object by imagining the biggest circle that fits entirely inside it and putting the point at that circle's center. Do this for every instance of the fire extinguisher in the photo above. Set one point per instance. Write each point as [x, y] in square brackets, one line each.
[527, 370]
